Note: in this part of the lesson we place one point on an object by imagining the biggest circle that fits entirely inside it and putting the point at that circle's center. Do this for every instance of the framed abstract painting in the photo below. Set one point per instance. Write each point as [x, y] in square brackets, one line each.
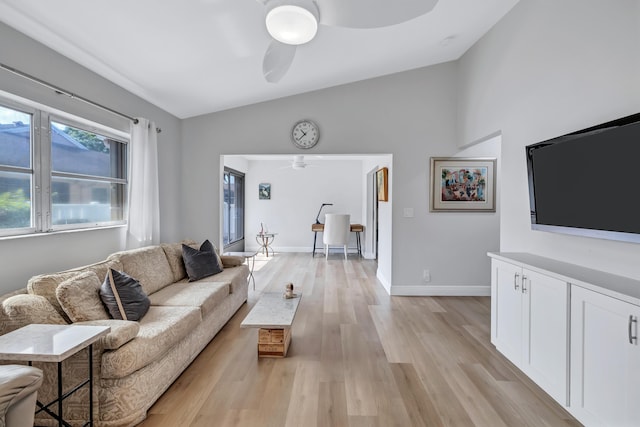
[463, 184]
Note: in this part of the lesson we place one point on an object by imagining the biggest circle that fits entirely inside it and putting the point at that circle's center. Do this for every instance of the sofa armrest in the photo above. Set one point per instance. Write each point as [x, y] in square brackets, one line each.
[18, 387]
[231, 260]
[122, 331]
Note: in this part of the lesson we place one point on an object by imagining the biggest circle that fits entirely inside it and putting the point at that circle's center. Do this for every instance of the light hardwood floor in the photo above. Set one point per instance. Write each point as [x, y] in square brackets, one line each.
[358, 357]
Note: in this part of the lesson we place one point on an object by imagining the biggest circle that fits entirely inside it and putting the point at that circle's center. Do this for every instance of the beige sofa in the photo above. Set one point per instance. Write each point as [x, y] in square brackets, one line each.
[137, 361]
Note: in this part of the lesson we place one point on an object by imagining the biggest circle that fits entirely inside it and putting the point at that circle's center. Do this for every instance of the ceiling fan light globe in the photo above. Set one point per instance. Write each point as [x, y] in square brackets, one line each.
[291, 24]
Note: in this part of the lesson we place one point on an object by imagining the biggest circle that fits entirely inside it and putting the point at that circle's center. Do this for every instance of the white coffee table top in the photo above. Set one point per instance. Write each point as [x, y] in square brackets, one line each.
[48, 343]
[272, 311]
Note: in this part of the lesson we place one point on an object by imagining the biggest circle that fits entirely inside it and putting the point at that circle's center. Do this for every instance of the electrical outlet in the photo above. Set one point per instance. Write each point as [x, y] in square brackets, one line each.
[426, 276]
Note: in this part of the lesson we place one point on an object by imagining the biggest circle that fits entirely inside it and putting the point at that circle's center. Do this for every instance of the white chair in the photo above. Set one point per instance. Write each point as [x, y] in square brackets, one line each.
[336, 232]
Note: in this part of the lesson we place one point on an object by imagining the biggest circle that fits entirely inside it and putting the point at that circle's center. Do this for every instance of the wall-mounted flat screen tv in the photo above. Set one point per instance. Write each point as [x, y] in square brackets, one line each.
[588, 182]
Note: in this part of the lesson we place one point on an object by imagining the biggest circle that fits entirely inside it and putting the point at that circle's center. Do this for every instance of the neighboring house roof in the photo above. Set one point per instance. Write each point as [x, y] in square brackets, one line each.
[69, 155]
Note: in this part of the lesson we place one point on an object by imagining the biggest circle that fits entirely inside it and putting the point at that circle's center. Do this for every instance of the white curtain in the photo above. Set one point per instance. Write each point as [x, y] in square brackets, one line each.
[143, 227]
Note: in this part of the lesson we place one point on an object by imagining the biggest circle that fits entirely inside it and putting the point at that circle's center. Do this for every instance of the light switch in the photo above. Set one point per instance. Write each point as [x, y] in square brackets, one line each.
[408, 212]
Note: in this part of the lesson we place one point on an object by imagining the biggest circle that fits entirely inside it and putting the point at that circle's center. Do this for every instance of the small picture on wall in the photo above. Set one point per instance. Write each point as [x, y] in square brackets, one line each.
[264, 191]
[383, 179]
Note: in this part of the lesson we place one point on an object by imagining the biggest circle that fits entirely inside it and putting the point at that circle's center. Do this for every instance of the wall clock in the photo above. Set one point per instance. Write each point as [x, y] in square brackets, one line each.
[305, 134]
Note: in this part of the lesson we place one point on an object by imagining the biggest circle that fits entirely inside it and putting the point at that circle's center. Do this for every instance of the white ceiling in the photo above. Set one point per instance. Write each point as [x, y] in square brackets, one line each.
[192, 57]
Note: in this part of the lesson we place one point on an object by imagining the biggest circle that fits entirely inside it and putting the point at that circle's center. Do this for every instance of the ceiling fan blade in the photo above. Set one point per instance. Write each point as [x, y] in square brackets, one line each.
[277, 60]
[371, 13]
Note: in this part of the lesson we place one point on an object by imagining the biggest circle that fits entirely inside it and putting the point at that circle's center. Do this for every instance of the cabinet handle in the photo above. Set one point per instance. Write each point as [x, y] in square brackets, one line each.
[524, 284]
[632, 337]
[516, 286]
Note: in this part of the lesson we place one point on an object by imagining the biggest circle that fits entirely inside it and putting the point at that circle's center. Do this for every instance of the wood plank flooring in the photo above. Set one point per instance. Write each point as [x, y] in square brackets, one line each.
[358, 357]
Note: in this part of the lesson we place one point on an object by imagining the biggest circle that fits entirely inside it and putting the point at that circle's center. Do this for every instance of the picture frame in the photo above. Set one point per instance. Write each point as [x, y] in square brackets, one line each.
[463, 184]
[264, 191]
[382, 178]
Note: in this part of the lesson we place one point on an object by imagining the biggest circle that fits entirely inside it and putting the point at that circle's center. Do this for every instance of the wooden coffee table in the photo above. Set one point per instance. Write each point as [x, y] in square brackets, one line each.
[273, 316]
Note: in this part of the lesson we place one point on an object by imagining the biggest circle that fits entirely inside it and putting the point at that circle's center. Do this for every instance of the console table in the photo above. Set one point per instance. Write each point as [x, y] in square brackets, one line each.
[354, 228]
[54, 343]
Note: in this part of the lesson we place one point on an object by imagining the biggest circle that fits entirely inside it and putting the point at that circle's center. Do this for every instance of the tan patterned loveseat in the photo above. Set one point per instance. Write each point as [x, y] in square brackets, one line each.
[137, 361]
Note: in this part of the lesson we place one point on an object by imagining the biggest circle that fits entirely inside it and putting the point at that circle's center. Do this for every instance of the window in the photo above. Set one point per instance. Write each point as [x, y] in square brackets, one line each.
[70, 177]
[233, 210]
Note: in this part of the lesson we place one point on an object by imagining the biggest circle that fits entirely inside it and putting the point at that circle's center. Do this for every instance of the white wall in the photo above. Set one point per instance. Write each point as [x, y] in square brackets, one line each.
[411, 115]
[21, 258]
[296, 196]
[550, 68]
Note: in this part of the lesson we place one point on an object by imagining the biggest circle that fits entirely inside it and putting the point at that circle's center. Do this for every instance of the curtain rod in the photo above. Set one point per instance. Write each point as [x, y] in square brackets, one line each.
[61, 91]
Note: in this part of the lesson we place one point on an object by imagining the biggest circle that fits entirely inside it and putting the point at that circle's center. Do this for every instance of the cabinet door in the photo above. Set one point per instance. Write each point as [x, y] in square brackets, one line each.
[605, 359]
[546, 333]
[506, 309]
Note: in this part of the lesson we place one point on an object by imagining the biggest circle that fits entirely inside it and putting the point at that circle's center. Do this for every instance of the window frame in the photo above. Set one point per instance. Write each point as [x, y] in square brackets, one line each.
[42, 173]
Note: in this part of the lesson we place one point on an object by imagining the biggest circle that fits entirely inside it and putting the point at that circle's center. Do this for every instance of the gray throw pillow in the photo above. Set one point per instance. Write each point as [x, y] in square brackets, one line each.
[123, 296]
[200, 263]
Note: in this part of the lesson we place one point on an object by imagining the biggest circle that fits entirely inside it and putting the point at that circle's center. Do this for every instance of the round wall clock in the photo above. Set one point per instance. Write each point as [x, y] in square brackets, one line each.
[305, 134]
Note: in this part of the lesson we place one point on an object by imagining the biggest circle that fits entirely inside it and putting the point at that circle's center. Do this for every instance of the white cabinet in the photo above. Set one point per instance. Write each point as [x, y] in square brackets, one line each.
[573, 330]
[506, 309]
[605, 359]
[529, 324]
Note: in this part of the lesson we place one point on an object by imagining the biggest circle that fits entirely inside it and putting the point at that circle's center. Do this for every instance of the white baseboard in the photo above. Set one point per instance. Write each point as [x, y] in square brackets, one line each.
[384, 282]
[427, 291]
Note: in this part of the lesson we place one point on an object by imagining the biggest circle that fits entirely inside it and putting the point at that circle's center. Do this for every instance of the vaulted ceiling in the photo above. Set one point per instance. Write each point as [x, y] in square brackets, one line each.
[192, 57]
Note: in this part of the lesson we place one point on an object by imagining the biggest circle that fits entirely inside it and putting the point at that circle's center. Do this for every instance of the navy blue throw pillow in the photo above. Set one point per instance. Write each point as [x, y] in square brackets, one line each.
[200, 263]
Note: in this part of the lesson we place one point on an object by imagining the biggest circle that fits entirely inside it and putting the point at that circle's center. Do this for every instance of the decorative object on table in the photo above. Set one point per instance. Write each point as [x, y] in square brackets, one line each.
[305, 134]
[382, 180]
[264, 191]
[320, 210]
[463, 184]
[288, 293]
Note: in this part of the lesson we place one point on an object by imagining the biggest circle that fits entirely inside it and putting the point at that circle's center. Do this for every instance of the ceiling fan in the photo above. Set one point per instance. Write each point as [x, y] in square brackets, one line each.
[295, 22]
[298, 163]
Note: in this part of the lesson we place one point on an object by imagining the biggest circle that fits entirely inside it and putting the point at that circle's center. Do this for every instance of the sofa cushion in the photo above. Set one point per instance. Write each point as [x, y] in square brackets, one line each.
[79, 297]
[200, 263]
[24, 309]
[123, 296]
[173, 252]
[237, 276]
[160, 329]
[149, 265]
[122, 331]
[45, 284]
[205, 295]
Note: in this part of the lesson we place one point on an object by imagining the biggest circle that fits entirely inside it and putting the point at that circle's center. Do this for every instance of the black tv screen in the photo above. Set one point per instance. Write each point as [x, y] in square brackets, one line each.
[588, 182]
